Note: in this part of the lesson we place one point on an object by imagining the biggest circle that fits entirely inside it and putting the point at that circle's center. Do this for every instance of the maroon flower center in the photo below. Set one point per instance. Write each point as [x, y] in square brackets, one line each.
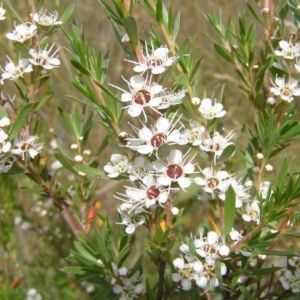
[153, 192]
[142, 97]
[158, 139]
[214, 147]
[212, 182]
[26, 146]
[154, 62]
[174, 171]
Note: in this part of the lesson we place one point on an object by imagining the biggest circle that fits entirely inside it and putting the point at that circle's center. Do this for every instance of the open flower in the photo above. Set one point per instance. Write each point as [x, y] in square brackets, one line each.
[13, 72]
[4, 144]
[175, 170]
[192, 135]
[45, 19]
[42, 58]
[288, 50]
[252, 212]
[286, 90]
[211, 111]
[141, 95]
[27, 146]
[22, 32]
[157, 61]
[2, 12]
[151, 139]
[118, 164]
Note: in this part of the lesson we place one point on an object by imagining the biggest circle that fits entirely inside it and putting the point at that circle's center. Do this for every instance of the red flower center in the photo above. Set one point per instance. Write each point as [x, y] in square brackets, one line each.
[152, 192]
[174, 171]
[142, 97]
[158, 139]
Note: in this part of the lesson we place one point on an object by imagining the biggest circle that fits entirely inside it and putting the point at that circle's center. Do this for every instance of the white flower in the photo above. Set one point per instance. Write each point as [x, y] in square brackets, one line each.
[157, 61]
[5, 122]
[13, 72]
[32, 294]
[216, 144]
[141, 95]
[210, 111]
[241, 195]
[213, 182]
[45, 19]
[170, 98]
[193, 135]
[27, 146]
[6, 164]
[175, 170]
[139, 168]
[148, 195]
[252, 212]
[22, 32]
[291, 281]
[130, 220]
[42, 58]
[118, 164]
[288, 50]
[2, 12]
[264, 189]
[185, 273]
[286, 90]
[4, 144]
[151, 139]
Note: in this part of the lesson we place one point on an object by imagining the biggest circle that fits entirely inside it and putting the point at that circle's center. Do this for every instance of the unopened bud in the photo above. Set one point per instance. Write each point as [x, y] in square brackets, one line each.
[269, 168]
[259, 156]
[81, 174]
[87, 152]
[5, 122]
[271, 101]
[298, 8]
[265, 11]
[78, 158]
[175, 211]
[74, 146]
[195, 101]
[255, 67]
[276, 20]
[125, 39]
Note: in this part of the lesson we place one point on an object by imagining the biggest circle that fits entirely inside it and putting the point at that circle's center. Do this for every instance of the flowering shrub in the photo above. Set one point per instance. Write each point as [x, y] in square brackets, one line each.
[168, 146]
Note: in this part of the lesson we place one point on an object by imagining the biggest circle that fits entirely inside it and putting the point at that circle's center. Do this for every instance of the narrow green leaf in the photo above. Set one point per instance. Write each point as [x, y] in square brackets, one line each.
[89, 171]
[67, 13]
[228, 152]
[21, 119]
[223, 52]
[103, 293]
[65, 162]
[159, 11]
[131, 28]
[265, 271]
[150, 293]
[245, 292]
[80, 67]
[73, 270]
[42, 102]
[229, 210]
[176, 26]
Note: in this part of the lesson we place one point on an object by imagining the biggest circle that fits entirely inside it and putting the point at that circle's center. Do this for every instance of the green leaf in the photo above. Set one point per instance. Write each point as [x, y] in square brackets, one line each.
[176, 26]
[73, 270]
[159, 11]
[65, 162]
[163, 151]
[229, 210]
[245, 292]
[103, 293]
[80, 67]
[42, 102]
[227, 152]
[67, 13]
[21, 119]
[89, 171]
[258, 251]
[3, 112]
[265, 271]
[131, 28]
[150, 293]
[223, 52]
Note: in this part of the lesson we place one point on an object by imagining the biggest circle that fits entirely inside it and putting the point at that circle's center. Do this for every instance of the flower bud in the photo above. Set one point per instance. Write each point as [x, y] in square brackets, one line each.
[269, 168]
[259, 156]
[271, 101]
[78, 158]
[195, 101]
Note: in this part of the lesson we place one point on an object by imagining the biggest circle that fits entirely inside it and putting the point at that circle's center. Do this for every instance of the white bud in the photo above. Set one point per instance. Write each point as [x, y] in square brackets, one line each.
[249, 183]
[5, 122]
[195, 101]
[125, 38]
[259, 156]
[269, 168]
[80, 138]
[175, 211]
[87, 152]
[78, 158]
[271, 101]
[74, 146]
[224, 251]
[81, 174]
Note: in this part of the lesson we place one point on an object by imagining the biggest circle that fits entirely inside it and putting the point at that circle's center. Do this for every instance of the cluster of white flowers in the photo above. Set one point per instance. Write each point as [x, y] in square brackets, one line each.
[33, 294]
[19, 148]
[287, 88]
[200, 267]
[290, 279]
[36, 57]
[127, 287]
